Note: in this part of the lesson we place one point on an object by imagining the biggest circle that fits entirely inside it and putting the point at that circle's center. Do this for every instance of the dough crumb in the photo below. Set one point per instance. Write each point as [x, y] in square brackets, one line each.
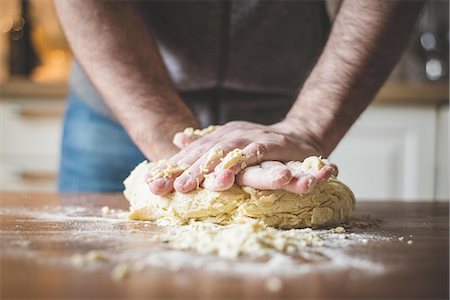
[409, 242]
[401, 239]
[200, 132]
[273, 284]
[81, 260]
[120, 272]
[96, 255]
[249, 239]
[339, 229]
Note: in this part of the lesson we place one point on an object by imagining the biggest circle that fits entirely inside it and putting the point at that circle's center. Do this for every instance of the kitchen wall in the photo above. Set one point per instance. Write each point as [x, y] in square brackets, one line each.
[398, 149]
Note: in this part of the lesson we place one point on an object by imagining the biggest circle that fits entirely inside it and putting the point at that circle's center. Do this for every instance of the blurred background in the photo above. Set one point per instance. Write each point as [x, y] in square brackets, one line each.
[398, 149]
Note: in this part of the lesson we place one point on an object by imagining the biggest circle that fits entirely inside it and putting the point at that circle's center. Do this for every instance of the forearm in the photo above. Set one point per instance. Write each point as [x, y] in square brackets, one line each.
[365, 43]
[115, 47]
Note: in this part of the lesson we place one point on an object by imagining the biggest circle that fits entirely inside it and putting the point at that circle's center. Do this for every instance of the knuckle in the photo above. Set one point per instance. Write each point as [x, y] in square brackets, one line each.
[238, 142]
[196, 152]
[282, 140]
[259, 148]
[220, 146]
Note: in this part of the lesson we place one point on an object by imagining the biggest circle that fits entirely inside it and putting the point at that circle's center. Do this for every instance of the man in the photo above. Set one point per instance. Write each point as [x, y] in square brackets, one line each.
[162, 66]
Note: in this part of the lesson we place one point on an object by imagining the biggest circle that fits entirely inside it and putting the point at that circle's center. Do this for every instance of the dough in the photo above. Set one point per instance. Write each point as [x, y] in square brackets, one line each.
[329, 203]
[200, 132]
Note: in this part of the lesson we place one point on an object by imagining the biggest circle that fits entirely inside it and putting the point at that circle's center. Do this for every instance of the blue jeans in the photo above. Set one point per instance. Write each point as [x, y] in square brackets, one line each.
[97, 154]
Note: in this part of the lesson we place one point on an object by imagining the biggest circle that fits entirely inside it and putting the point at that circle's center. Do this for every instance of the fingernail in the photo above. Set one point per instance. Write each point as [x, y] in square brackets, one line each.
[223, 181]
[183, 183]
[182, 180]
[159, 186]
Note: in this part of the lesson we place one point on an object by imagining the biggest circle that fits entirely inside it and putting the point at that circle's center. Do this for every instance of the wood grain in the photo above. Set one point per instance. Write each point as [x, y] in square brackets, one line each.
[419, 270]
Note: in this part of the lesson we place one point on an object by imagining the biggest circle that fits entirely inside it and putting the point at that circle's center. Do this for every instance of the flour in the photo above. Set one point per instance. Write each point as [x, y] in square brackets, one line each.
[67, 213]
[104, 242]
[280, 265]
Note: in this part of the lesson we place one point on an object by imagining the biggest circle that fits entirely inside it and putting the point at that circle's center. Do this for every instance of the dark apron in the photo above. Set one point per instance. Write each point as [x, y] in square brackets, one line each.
[231, 60]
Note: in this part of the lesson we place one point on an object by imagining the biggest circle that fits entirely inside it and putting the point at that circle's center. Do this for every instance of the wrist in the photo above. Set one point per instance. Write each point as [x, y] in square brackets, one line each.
[153, 132]
[296, 130]
[155, 140]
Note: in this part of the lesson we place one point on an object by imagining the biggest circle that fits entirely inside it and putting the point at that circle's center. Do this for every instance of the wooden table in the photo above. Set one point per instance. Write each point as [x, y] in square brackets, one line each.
[41, 233]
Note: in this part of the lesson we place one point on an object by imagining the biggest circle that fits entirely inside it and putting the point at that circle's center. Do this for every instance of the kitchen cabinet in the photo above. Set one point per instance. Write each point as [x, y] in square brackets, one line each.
[442, 152]
[30, 134]
[390, 153]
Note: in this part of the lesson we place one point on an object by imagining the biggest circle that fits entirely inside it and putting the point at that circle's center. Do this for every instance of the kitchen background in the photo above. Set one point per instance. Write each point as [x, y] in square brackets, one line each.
[398, 149]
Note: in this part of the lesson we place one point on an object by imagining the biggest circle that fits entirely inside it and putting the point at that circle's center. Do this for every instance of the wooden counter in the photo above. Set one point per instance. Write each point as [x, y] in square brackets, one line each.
[41, 233]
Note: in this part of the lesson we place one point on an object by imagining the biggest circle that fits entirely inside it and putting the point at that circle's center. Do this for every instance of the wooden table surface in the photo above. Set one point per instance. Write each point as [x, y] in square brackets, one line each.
[41, 233]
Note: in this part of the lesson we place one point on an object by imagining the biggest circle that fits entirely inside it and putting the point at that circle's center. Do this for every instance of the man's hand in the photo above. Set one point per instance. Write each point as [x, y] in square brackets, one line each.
[204, 157]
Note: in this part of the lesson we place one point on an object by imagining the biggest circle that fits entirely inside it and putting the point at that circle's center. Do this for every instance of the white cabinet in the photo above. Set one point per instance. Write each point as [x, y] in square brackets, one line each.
[30, 134]
[390, 153]
[442, 177]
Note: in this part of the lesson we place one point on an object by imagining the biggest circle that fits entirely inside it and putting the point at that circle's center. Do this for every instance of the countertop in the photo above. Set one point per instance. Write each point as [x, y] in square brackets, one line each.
[44, 238]
[428, 93]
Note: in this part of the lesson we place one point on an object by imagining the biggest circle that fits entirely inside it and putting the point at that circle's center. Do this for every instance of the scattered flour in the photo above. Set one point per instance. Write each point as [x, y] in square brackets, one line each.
[106, 242]
[80, 260]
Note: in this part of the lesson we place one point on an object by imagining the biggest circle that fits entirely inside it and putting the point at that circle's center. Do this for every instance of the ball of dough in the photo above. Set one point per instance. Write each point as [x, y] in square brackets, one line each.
[329, 203]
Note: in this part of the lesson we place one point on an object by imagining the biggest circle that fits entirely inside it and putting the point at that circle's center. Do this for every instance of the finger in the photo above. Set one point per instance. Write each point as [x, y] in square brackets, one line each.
[253, 154]
[221, 181]
[323, 173]
[194, 175]
[300, 184]
[182, 160]
[181, 140]
[160, 178]
[321, 169]
[161, 186]
[268, 176]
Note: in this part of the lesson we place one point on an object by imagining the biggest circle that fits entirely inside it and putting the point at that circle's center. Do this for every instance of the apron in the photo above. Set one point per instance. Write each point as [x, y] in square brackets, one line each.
[231, 60]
